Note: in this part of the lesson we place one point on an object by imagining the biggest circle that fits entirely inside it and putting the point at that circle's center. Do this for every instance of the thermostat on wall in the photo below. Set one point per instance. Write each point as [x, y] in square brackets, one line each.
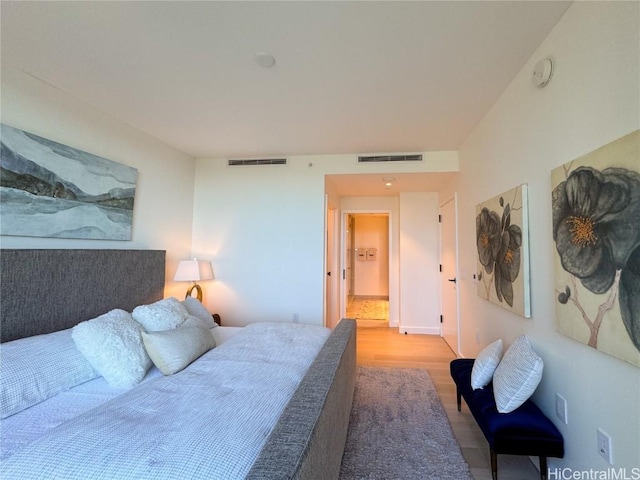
[542, 72]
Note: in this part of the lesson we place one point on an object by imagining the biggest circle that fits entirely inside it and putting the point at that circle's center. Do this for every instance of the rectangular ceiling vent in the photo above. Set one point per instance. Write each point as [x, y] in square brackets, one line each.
[390, 158]
[258, 161]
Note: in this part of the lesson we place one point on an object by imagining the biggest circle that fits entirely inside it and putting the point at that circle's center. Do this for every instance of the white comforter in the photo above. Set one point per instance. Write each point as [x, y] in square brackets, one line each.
[209, 421]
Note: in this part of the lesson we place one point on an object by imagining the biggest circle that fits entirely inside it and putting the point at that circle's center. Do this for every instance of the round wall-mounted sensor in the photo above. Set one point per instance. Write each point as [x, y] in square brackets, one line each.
[542, 72]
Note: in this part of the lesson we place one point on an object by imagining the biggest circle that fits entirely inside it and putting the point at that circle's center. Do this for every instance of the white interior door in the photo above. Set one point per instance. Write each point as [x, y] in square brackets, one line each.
[350, 253]
[449, 276]
[332, 313]
[344, 262]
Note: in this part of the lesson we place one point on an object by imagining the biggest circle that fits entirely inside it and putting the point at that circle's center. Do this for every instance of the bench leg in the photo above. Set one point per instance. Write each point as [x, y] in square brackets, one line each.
[543, 468]
[459, 398]
[494, 464]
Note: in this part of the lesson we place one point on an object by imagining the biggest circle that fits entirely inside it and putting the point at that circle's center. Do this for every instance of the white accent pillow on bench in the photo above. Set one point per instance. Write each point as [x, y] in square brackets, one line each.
[517, 375]
[485, 365]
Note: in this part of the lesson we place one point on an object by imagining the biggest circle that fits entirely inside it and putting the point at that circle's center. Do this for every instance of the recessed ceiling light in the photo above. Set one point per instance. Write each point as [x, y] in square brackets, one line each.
[388, 181]
[264, 59]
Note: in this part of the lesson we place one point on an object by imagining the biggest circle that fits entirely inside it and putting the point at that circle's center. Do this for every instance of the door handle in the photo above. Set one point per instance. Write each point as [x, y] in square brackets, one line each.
[452, 280]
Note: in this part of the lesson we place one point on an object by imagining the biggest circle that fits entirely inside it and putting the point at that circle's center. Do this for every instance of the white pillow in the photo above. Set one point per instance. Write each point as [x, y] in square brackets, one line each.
[162, 315]
[195, 308]
[39, 367]
[173, 350]
[485, 364]
[517, 375]
[112, 344]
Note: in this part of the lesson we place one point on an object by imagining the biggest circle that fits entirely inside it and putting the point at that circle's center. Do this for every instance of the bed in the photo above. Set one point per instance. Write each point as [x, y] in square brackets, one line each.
[270, 401]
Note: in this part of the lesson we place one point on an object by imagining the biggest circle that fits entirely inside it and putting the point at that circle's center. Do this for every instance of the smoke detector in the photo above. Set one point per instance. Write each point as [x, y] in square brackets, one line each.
[542, 72]
[264, 59]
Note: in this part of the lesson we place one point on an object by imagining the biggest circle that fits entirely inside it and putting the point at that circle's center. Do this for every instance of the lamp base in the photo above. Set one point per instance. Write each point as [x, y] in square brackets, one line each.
[198, 292]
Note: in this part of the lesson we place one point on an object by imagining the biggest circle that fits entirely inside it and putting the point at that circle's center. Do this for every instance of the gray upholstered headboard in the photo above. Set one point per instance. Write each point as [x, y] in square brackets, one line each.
[42, 291]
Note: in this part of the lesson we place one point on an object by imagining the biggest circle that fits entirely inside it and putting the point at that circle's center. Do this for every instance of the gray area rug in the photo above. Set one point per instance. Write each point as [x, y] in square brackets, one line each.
[399, 430]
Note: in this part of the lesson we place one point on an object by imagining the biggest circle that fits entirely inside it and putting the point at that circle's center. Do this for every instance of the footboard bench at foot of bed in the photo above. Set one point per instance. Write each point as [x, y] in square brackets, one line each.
[524, 431]
[308, 441]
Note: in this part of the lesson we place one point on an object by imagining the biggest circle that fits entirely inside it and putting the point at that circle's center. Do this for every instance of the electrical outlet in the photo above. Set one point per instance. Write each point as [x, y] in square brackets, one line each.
[295, 317]
[604, 446]
[561, 408]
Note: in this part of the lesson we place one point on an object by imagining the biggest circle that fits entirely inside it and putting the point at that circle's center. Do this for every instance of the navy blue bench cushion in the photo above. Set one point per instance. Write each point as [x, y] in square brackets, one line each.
[525, 431]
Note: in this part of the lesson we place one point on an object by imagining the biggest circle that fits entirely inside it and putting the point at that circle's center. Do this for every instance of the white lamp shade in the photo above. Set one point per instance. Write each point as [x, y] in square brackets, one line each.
[193, 271]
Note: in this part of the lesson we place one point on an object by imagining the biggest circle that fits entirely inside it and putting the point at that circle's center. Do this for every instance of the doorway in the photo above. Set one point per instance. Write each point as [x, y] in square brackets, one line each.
[449, 277]
[367, 268]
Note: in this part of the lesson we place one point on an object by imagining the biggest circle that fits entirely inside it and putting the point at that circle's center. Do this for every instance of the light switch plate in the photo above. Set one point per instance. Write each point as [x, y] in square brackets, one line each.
[561, 408]
[605, 447]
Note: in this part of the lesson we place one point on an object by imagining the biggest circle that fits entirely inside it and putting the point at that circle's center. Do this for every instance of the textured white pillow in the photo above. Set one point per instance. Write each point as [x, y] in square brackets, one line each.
[173, 350]
[517, 375]
[112, 344]
[162, 315]
[485, 364]
[195, 308]
[39, 367]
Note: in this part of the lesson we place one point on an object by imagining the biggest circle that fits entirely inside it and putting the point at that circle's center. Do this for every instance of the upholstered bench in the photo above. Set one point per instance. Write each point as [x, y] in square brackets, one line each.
[524, 431]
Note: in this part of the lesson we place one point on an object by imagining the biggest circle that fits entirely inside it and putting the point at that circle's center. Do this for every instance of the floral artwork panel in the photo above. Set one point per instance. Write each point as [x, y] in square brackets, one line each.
[502, 240]
[52, 190]
[596, 234]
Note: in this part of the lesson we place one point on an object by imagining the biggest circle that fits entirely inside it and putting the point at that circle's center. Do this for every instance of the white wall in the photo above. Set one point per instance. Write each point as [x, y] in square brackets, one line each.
[263, 227]
[419, 260]
[592, 99]
[162, 217]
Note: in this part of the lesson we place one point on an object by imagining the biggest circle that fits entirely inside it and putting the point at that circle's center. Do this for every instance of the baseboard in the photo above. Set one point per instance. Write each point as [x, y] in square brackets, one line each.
[420, 330]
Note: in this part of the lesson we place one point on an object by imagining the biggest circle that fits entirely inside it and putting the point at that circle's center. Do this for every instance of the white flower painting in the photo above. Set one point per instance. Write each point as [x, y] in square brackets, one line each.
[502, 239]
[596, 231]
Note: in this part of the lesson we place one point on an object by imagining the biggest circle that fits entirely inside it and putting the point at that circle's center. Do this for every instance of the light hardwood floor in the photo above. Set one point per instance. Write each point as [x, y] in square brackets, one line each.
[385, 347]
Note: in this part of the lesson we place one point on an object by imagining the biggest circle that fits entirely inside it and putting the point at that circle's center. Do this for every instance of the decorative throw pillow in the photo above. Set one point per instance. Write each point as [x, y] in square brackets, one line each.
[39, 367]
[164, 314]
[195, 308]
[112, 344]
[173, 350]
[485, 364]
[517, 375]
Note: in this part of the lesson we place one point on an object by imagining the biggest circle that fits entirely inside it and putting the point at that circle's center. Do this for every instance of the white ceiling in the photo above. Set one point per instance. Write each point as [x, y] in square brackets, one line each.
[350, 77]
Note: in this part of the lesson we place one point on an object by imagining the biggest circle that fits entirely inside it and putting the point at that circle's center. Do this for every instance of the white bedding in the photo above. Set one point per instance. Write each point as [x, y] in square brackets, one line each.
[208, 421]
[21, 429]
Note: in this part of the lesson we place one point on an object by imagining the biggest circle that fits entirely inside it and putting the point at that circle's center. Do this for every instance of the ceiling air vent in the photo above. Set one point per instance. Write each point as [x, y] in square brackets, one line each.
[258, 161]
[390, 158]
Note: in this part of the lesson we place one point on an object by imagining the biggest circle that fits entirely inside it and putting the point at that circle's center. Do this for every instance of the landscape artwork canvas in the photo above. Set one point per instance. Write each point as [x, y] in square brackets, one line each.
[502, 239]
[51, 190]
[596, 233]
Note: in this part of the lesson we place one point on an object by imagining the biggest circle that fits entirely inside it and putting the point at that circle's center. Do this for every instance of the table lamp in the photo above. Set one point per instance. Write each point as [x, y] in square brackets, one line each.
[193, 271]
